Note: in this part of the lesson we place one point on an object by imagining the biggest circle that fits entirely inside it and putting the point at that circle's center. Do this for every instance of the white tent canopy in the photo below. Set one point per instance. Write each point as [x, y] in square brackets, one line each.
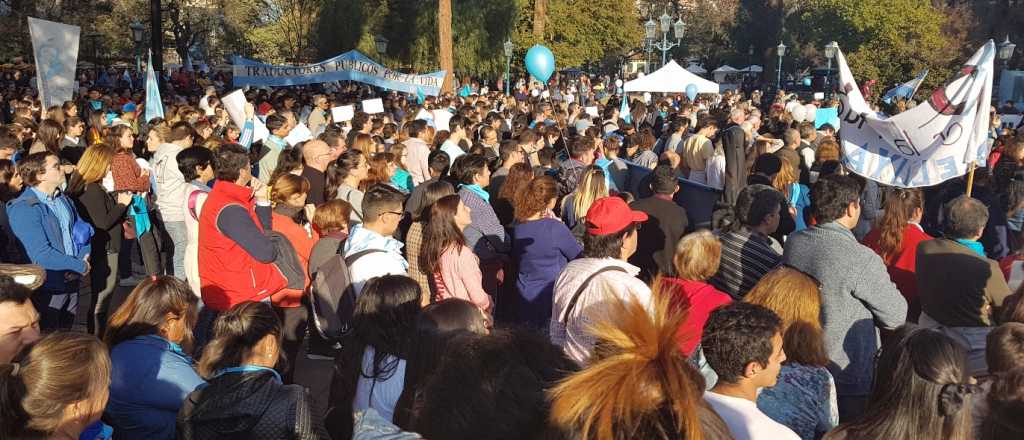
[671, 78]
[752, 68]
[725, 69]
[696, 68]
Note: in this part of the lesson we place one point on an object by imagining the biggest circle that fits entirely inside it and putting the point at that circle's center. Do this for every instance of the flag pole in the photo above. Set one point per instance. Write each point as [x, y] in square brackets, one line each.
[970, 177]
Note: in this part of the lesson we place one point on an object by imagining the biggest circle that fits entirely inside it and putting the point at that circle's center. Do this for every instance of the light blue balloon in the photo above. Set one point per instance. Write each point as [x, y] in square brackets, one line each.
[807, 81]
[691, 91]
[540, 62]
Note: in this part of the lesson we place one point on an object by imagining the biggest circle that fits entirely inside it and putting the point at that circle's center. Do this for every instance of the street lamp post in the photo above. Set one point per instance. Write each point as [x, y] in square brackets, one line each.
[666, 25]
[508, 46]
[137, 31]
[830, 52]
[781, 51]
[1006, 51]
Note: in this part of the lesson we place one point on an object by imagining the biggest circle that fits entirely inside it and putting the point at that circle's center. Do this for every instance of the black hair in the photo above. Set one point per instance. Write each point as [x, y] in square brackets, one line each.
[471, 166]
[456, 122]
[490, 386]
[451, 315]
[275, 121]
[663, 180]
[963, 217]
[339, 170]
[756, 202]
[415, 127]
[379, 199]
[832, 195]
[229, 161]
[192, 157]
[607, 245]
[438, 161]
[546, 156]
[385, 319]
[506, 148]
[11, 291]
[580, 147]
[736, 335]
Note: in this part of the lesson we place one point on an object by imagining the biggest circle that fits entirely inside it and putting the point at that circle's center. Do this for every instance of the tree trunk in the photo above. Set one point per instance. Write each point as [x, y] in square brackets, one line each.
[444, 35]
[540, 14]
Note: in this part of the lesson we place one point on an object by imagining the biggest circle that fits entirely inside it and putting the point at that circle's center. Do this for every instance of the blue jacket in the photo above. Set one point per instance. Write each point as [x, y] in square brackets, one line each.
[39, 231]
[149, 379]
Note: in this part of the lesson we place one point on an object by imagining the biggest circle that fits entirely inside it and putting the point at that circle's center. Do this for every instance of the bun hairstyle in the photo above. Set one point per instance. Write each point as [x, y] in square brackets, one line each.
[62, 369]
[235, 333]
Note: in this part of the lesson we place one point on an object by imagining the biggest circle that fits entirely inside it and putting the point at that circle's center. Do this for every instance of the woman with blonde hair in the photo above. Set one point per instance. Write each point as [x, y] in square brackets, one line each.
[804, 399]
[798, 196]
[58, 390]
[592, 186]
[895, 238]
[637, 384]
[105, 211]
[291, 218]
[697, 257]
[150, 339]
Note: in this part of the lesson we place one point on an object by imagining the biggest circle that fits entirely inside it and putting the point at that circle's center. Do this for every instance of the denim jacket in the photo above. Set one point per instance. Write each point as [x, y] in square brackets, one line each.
[39, 231]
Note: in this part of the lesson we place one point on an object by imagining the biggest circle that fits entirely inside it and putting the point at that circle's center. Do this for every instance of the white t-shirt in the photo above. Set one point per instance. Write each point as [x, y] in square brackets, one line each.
[745, 421]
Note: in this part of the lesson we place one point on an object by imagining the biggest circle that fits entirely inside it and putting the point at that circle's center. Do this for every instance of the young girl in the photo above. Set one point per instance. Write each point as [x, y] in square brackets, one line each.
[382, 170]
[455, 268]
[128, 174]
[401, 179]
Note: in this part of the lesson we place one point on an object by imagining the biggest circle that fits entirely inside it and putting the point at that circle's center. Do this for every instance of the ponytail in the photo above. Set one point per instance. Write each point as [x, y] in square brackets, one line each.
[899, 208]
[235, 333]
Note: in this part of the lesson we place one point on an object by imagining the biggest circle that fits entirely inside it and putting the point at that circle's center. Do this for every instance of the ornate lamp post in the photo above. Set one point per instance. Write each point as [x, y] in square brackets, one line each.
[509, 47]
[137, 31]
[781, 51]
[830, 53]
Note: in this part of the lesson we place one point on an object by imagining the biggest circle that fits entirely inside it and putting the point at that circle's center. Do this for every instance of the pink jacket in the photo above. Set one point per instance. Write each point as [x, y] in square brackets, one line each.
[416, 161]
[459, 276]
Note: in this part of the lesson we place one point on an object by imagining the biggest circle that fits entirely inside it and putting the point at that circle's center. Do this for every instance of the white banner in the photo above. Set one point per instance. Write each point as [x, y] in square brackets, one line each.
[928, 144]
[55, 48]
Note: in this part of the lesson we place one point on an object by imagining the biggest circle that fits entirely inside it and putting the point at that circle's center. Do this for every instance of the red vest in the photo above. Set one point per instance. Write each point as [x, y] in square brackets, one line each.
[228, 275]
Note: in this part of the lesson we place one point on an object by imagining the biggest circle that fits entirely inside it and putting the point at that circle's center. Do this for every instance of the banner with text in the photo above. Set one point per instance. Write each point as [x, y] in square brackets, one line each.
[933, 142]
[55, 48]
[349, 66]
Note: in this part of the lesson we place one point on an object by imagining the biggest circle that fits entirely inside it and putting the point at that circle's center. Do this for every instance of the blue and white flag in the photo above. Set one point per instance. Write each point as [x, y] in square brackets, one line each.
[154, 106]
[55, 48]
[349, 66]
[624, 110]
[905, 90]
[935, 141]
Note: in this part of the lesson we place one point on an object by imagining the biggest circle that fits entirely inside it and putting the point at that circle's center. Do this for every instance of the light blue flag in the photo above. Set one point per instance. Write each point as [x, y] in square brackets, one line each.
[905, 90]
[420, 97]
[154, 106]
[624, 111]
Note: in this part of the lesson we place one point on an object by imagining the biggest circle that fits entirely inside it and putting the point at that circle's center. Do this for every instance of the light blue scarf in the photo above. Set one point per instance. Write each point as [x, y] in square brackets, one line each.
[973, 245]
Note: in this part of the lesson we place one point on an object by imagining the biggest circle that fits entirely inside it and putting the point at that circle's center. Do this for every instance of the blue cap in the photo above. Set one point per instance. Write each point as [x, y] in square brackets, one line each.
[129, 107]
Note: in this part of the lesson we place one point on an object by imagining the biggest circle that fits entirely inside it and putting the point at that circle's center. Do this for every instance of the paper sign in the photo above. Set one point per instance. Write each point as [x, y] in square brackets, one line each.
[1009, 121]
[343, 113]
[259, 130]
[373, 106]
[234, 103]
[592, 111]
[826, 116]
[424, 115]
[298, 134]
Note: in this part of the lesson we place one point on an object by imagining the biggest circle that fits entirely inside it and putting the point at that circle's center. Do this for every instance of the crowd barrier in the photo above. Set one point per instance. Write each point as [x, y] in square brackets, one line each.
[699, 200]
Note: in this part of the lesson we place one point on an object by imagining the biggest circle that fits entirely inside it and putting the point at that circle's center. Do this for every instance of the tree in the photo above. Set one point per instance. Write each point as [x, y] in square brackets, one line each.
[444, 37]
[540, 14]
[885, 40]
[588, 30]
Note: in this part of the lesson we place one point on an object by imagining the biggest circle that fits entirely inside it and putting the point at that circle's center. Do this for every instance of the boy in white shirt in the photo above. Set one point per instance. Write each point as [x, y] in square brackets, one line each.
[743, 344]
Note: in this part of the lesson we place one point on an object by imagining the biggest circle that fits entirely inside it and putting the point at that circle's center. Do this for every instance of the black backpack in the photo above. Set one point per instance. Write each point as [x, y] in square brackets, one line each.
[332, 298]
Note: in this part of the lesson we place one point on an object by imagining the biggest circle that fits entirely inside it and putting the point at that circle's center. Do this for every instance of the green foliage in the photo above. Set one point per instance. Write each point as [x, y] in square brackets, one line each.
[586, 30]
[885, 40]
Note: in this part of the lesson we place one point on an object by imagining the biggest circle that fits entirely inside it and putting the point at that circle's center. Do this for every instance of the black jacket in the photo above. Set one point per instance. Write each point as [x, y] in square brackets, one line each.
[249, 406]
[656, 240]
[734, 143]
[101, 210]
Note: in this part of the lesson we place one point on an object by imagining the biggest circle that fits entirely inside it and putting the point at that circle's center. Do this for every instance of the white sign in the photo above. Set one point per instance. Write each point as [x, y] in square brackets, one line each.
[234, 104]
[592, 111]
[55, 48]
[928, 144]
[342, 113]
[373, 106]
[1009, 121]
[298, 134]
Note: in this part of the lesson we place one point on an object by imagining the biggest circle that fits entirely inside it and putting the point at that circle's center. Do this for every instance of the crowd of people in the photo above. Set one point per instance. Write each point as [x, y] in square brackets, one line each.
[477, 265]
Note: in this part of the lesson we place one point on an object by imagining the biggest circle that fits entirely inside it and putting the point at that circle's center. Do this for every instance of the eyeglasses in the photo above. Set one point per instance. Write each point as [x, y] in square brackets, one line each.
[393, 212]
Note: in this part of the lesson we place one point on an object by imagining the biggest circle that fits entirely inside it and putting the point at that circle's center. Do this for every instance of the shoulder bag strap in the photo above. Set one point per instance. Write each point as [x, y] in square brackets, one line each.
[351, 259]
[579, 290]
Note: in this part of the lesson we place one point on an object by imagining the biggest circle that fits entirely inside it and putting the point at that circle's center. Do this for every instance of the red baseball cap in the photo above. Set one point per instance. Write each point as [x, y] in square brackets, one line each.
[609, 215]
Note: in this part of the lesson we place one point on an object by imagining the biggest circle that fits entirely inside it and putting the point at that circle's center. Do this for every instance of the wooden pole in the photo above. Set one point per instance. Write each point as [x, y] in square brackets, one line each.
[970, 178]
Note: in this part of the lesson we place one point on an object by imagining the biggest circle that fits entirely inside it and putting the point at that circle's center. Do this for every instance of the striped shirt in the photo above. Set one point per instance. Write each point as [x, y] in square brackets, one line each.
[746, 257]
